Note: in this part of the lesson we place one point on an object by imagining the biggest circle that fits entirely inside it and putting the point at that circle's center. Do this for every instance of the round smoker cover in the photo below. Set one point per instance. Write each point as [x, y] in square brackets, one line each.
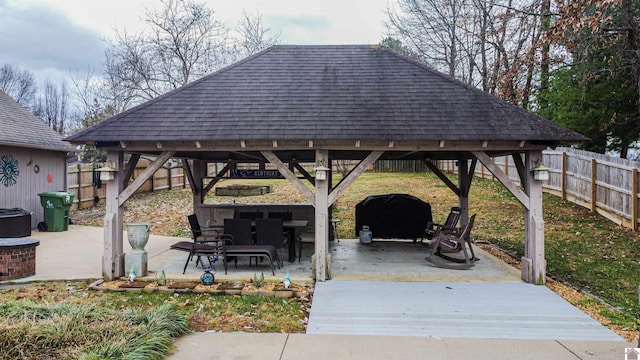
[393, 216]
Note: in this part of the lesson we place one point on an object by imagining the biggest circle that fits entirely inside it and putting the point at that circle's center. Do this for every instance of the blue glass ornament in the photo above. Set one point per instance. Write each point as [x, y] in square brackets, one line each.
[207, 278]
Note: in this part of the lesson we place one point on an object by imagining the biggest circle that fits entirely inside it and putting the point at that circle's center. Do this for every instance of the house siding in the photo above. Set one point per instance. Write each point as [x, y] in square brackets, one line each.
[24, 193]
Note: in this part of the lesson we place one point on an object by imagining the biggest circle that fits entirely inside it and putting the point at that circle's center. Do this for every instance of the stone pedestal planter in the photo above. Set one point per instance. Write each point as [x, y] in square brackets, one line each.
[137, 235]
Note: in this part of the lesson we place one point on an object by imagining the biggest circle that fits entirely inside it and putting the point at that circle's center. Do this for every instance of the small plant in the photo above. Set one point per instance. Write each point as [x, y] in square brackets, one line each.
[179, 232]
[258, 282]
[161, 279]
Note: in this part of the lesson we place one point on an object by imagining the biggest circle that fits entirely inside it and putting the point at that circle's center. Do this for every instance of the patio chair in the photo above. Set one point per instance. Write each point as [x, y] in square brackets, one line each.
[449, 226]
[452, 244]
[204, 244]
[239, 243]
[270, 232]
[238, 232]
[306, 236]
[284, 215]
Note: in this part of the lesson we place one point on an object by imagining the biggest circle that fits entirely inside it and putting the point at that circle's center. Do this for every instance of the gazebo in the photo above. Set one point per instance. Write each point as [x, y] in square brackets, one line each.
[289, 105]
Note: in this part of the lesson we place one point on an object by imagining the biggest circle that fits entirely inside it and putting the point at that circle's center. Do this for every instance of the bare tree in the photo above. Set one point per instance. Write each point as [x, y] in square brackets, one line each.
[431, 29]
[99, 95]
[254, 37]
[492, 44]
[53, 106]
[184, 42]
[18, 84]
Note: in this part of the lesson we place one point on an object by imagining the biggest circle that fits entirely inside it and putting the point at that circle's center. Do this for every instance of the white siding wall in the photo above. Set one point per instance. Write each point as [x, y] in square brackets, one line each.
[24, 193]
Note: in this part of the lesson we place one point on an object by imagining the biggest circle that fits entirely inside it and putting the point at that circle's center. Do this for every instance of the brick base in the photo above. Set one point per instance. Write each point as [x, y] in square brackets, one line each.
[17, 261]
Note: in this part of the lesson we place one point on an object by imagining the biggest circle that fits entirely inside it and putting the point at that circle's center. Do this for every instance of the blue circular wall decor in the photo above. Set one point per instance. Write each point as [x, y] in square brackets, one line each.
[9, 170]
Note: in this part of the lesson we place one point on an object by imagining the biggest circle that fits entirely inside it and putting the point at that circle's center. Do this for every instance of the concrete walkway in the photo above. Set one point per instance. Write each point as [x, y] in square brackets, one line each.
[77, 254]
[304, 346]
[488, 310]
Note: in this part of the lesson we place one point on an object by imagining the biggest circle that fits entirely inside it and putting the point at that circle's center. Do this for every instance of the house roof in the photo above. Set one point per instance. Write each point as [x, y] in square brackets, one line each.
[21, 128]
[348, 92]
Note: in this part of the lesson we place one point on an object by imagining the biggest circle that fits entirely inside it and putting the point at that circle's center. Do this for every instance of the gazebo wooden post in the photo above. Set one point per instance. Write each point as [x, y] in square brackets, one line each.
[113, 256]
[199, 173]
[533, 262]
[322, 220]
[463, 197]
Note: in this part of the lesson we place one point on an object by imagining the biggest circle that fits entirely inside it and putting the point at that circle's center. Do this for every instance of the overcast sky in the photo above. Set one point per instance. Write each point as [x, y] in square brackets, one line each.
[52, 38]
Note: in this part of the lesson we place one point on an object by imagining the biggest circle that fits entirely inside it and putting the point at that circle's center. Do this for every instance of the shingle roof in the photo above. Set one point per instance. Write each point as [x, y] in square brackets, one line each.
[363, 92]
[21, 128]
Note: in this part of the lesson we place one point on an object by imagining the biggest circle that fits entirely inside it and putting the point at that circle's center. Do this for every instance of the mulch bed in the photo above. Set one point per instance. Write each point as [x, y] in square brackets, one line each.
[134, 285]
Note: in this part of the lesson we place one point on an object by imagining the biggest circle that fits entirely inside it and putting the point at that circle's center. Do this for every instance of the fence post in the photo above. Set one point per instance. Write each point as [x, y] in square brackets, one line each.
[634, 199]
[563, 174]
[79, 198]
[594, 176]
[170, 171]
[506, 165]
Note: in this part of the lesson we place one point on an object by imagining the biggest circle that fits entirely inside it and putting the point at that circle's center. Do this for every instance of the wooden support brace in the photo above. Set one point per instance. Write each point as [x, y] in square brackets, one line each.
[502, 177]
[144, 176]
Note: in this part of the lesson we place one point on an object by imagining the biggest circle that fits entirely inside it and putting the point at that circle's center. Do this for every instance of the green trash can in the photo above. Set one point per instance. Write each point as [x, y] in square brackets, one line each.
[56, 206]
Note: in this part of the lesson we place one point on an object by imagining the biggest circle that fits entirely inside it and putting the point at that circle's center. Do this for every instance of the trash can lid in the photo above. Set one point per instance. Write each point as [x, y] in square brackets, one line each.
[54, 194]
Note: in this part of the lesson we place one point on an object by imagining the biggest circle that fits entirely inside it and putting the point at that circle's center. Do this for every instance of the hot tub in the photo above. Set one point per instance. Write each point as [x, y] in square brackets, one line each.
[15, 223]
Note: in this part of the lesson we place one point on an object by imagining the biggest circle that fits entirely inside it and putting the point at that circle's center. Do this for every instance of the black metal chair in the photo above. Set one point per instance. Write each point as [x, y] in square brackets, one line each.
[205, 244]
[270, 232]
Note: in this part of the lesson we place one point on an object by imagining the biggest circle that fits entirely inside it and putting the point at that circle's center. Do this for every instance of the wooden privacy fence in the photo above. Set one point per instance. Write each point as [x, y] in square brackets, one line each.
[80, 182]
[601, 183]
[399, 166]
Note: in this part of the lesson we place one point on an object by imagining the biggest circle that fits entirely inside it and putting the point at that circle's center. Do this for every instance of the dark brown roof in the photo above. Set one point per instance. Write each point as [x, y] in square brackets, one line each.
[23, 129]
[326, 92]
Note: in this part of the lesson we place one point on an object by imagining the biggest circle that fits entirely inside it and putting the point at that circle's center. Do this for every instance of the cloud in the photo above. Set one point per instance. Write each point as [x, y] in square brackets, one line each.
[306, 29]
[45, 41]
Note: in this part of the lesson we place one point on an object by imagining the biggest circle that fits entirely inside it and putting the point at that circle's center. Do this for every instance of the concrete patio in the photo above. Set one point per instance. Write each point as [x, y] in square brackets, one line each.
[77, 254]
[383, 296]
